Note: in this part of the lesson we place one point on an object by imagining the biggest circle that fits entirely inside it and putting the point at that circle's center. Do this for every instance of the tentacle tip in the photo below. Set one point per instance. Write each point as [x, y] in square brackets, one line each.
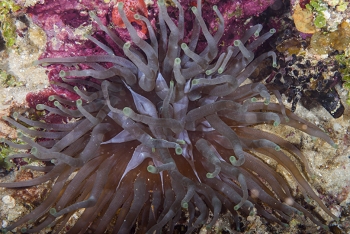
[40, 107]
[15, 115]
[127, 45]
[36, 62]
[195, 82]
[51, 98]
[127, 111]
[299, 213]
[92, 14]
[276, 123]
[56, 103]
[151, 169]
[253, 99]
[266, 102]
[62, 74]
[184, 205]
[177, 61]
[335, 146]
[237, 42]
[277, 148]
[20, 134]
[86, 35]
[23, 230]
[209, 175]
[53, 212]
[215, 7]
[178, 150]
[272, 30]
[233, 160]
[181, 142]
[252, 213]
[307, 200]
[137, 16]
[79, 102]
[236, 207]
[285, 225]
[54, 161]
[120, 5]
[34, 151]
[286, 119]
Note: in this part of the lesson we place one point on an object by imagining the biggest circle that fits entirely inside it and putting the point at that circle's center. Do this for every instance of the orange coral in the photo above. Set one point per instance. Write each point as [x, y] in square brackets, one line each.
[131, 7]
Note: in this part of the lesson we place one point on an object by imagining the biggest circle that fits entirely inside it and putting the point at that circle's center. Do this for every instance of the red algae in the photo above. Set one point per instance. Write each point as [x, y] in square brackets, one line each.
[132, 7]
[303, 3]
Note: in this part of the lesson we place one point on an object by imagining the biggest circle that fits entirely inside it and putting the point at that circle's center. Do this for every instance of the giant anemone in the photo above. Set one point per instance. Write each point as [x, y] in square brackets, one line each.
[160, 130]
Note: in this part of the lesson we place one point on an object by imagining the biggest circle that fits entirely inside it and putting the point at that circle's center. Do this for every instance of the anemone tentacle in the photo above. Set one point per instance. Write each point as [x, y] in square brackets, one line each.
[166, 128]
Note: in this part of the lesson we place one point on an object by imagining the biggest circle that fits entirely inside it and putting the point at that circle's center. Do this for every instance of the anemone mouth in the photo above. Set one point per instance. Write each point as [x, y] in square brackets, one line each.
[164, 128]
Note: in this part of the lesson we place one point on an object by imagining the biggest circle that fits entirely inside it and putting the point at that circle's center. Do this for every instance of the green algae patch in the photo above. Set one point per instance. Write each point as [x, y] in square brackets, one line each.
[7, 25]
[7, 80]
[344, 61]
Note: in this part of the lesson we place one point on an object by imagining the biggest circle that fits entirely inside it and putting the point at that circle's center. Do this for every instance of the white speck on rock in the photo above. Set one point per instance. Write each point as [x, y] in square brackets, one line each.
[4, 224]
[9, 201]
[336, 210]
[337, 127]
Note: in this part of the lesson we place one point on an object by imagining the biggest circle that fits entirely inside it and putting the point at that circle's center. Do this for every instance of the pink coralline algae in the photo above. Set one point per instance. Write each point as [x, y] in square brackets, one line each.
[65, 21]
[254, 8]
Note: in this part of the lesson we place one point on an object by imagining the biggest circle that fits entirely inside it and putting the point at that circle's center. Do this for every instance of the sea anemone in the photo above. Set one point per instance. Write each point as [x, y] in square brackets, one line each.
[160, 130]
